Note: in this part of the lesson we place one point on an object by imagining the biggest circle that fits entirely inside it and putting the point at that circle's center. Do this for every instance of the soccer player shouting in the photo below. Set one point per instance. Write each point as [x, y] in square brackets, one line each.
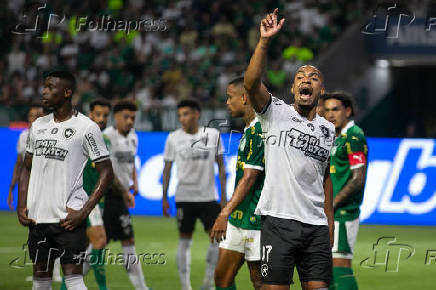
[240, 234]
[296, 200]
[51, 200]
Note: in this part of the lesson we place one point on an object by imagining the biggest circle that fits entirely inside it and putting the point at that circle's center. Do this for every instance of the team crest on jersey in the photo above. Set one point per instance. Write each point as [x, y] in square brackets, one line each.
[69, 132]
[325, 131]
[310, 125]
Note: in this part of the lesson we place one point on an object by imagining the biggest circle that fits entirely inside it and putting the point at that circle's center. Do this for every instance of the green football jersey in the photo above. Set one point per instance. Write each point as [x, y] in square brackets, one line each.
[250, 155]
[91, 175]
[350, 152]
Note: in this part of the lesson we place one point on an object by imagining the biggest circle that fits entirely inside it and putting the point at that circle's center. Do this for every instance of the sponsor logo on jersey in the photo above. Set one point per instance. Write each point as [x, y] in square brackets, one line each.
[91, 141]
[69, 132]
[40, 131]
[309, 144]
[48, 149]
[124, 156]
[295, 119]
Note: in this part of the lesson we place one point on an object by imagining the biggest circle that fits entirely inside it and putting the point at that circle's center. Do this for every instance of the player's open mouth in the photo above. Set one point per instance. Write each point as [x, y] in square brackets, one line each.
[306, 92]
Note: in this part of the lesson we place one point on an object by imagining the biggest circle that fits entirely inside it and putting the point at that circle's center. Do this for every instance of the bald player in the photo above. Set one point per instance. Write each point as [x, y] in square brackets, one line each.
[296, 201]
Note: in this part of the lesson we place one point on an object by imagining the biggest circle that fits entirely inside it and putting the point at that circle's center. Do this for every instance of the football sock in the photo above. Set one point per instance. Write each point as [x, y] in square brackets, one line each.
[211, 261]
[133, 267]
[41, 283]
[75, 282]
[183, 259]
[86, 263]
[343, 279]
[63, 286]
[99, 268]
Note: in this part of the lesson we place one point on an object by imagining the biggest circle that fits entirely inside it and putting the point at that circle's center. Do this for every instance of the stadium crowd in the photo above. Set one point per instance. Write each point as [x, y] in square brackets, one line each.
[197, 48]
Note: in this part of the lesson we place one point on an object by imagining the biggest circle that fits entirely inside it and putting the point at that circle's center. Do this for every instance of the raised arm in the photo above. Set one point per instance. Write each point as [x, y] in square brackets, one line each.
[23, 186]
[257, 93]
[328, 204]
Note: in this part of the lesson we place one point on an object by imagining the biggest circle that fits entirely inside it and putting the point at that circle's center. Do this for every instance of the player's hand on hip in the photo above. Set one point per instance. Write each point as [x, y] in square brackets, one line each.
[23, 218]
[73, 219]
[11, 199]
[165, 208]
[219, 229]
[269, 26]
[129, 199]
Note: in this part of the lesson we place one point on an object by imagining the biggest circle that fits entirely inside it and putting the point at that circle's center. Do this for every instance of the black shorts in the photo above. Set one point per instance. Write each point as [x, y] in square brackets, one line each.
[188, 212]
[117, 220]
[47, 242]
[287, 243]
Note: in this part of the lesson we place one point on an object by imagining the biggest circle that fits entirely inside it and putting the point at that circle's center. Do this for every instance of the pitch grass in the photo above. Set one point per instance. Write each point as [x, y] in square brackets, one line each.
[159, 235]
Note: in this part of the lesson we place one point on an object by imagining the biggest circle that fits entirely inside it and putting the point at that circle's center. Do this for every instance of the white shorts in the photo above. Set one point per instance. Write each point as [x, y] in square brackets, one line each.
[243, 241]
[95, 217]
[345, 238]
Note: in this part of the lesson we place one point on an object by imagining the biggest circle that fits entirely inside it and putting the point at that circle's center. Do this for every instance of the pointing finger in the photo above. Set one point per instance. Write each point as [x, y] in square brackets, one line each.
[281, 23]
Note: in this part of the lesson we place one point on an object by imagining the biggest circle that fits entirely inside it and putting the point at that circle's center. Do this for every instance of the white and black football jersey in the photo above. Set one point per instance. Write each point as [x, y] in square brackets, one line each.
[194, 155]
[296, 157]
[60, 151]
[21, 144]
[123, 152]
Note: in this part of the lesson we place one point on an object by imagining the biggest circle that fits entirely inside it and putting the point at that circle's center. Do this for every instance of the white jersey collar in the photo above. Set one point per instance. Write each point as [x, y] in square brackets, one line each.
[252, 123]
[304, 118]
[348, 126]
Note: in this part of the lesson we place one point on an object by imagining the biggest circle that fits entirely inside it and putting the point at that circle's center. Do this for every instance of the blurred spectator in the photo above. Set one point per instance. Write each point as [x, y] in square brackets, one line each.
[188, 49]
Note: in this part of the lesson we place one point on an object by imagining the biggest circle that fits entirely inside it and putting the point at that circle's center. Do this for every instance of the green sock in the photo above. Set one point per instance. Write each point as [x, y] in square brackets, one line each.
[343, 279]
[98, 267]
[63, 286]
[233, 287]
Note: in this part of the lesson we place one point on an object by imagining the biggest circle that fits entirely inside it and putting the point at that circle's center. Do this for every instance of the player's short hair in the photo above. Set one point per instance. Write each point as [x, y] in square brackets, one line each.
[193, 104]
[66, 76]
[121, 105]
[237, 82]
[99, 102]
[343, 97]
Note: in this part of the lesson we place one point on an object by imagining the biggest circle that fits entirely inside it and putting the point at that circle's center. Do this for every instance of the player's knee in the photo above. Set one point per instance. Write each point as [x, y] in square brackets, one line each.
[99, 242]
[42, 270]
[223, 278]
[256, 281]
